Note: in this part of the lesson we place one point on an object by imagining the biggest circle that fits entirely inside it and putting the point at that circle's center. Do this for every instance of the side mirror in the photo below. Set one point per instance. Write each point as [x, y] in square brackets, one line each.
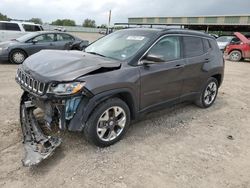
[152, 59]
[34, 41]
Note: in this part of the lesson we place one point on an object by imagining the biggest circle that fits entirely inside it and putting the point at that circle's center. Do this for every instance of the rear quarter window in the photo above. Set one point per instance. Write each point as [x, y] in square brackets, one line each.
[207, 45]
[10, 26]
[64, 37]
[193, 46]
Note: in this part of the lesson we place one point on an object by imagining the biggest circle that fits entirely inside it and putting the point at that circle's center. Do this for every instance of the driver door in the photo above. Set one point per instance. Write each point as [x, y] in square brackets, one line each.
[162, 82]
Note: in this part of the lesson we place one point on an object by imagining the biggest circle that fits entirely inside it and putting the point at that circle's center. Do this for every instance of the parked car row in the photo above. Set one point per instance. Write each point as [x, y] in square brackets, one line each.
[17, 50]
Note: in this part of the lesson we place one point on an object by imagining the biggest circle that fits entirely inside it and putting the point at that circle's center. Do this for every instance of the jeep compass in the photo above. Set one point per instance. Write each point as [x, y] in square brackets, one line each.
[115, 80]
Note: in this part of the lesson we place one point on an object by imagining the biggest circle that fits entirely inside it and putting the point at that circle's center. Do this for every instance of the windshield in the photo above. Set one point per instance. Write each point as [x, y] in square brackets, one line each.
[120, 45]
[225, 39]
[26, 37]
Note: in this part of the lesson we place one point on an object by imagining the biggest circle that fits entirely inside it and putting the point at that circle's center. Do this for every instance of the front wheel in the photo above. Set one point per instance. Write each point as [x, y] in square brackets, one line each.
[108, 123]
[208, 94]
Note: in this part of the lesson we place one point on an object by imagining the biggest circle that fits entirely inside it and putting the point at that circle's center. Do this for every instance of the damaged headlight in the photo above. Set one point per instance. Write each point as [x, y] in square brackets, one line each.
[66, 88]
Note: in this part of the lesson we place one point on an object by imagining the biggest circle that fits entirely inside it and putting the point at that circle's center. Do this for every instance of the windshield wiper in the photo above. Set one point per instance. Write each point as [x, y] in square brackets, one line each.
[94, 53]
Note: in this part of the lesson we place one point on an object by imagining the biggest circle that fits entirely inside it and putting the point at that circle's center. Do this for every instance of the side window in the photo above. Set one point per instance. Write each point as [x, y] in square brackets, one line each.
[59, 37]
[2, 26]
[235, 41]
[37, 28]
[31, 28]
[167, 48]
[64, 37]
[44, 38]
[206, 44]
[11, 26]
[28, 27]
[192, 46]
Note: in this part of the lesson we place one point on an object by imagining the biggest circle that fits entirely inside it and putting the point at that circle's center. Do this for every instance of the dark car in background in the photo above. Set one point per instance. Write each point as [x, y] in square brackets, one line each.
[17, 50]
[117, 79]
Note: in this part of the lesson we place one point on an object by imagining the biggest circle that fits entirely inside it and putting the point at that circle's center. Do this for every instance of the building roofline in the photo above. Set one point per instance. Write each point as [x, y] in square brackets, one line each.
[226, 15]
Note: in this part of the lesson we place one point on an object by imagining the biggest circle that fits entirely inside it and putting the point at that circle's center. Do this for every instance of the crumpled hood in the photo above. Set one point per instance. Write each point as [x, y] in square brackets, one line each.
[61, 65]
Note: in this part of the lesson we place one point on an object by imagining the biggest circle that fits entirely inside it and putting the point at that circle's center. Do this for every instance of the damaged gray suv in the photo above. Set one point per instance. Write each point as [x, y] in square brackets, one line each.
[115, 80]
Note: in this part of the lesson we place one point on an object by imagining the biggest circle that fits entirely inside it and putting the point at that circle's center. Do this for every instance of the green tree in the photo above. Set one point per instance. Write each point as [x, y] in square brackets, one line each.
[89, 23]
[36, 20]
[64, 22]
[4, 17]
[103, 26]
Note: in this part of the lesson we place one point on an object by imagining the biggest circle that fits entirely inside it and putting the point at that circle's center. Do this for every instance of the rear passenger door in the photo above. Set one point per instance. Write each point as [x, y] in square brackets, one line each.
[64, 41]
[196, 53]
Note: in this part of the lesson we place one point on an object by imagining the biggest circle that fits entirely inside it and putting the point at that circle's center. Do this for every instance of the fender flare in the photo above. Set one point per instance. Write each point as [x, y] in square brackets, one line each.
[87, 105]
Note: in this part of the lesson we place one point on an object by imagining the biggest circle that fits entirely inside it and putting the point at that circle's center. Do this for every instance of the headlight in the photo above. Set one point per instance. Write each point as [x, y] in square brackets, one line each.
[66, 88]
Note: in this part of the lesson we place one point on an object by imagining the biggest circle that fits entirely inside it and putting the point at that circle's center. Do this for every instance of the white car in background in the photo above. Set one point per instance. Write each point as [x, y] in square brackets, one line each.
[10, 30]
[223, 41]
[62, 29]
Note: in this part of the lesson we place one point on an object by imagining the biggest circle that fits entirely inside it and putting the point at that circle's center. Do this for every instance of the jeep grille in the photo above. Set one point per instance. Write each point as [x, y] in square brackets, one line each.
[30, 83]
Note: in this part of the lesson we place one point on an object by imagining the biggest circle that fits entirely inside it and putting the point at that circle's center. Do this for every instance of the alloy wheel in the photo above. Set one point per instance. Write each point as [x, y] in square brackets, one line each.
[111, 123]
[235, 56]
[210, 93]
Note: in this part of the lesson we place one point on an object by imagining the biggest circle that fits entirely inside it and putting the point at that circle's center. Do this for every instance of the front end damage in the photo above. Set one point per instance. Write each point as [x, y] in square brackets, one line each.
[57, 113]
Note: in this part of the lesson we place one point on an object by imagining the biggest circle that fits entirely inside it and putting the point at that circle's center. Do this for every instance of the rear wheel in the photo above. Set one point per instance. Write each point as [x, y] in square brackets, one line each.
[17, 56]
[235, 55]
[208, 94]
[108, 123]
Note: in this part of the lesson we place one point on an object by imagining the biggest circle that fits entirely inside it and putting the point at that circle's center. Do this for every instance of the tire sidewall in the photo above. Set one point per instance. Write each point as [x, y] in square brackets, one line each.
[91, 124]
[235, 51]
[12, 54]
[203, 92]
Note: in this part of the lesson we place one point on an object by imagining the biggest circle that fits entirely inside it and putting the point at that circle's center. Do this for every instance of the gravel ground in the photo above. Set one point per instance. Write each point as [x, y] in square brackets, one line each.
[183, 146]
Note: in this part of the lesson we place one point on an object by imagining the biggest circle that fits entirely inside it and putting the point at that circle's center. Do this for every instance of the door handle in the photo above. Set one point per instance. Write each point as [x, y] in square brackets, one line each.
[179, 66]
[207, 60]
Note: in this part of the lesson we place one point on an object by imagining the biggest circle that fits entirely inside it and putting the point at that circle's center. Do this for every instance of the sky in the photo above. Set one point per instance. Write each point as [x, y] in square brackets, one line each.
[78, 10]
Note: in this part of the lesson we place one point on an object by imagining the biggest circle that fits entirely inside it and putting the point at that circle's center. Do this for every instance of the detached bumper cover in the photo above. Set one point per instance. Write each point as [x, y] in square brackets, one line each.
[37, 145]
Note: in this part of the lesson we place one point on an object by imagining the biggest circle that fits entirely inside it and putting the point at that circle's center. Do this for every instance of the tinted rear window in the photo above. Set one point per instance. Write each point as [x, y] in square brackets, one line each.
[192, 46]
[31, 28]
[9, 26]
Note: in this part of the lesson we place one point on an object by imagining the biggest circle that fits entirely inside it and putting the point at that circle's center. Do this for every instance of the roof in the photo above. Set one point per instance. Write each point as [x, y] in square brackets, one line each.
[145, 31]
[42, 32]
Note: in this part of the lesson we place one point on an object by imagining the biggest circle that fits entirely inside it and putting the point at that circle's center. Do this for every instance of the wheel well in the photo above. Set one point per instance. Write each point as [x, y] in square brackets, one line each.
[235, 50]
[218, 78]
[128, 99]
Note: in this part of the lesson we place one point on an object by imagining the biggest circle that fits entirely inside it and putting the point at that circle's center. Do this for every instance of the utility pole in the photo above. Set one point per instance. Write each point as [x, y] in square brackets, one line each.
[109, 21]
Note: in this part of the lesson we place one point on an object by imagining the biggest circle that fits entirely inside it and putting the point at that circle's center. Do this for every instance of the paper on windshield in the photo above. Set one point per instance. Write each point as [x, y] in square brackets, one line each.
[135, 38]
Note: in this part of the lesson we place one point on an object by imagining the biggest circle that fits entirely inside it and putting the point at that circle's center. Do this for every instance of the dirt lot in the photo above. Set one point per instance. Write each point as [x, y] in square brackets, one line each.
[184, 146]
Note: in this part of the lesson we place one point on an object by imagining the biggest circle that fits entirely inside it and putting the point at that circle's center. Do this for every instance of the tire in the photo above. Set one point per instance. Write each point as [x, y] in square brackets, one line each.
[17, 56]
[208, 95]
[104, 127]
[235, 55]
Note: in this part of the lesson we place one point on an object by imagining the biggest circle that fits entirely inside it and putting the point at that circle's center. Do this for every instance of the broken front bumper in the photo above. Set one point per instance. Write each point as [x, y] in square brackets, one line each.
[37, 145]
[60, 114]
